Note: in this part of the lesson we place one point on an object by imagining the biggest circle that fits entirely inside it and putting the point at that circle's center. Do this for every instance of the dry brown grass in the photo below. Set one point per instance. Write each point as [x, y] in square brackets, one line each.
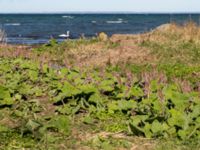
[95, 54]
[136, 143]
[183, 33]
[128, 49]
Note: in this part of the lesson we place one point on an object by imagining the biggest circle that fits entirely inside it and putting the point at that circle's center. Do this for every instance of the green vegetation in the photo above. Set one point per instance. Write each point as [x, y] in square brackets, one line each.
[46, 105]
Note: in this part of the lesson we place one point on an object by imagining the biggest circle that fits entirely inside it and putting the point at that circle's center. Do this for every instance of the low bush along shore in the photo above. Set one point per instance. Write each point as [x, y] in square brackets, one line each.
[126, 92]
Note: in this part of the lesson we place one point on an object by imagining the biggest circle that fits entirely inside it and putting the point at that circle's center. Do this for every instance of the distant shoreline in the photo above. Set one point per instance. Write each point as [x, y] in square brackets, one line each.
[93, 12]
[35, 28]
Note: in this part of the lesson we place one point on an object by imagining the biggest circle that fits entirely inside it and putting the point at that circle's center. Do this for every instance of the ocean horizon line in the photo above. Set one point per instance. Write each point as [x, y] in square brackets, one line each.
[98, 12]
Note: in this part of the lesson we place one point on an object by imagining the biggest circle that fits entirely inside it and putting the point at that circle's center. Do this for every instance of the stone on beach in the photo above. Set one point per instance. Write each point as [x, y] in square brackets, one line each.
[103, 36]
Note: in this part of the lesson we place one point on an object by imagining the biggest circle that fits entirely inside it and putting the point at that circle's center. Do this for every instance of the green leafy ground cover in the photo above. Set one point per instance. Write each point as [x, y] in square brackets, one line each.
[47, 105]
[43, 105]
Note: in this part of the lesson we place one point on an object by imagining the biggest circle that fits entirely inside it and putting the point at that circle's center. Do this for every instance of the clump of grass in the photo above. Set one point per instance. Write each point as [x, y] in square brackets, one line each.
[175, 43]
[2, 36]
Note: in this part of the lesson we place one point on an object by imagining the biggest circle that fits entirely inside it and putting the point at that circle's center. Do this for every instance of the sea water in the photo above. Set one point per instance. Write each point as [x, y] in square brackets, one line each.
[39, 28]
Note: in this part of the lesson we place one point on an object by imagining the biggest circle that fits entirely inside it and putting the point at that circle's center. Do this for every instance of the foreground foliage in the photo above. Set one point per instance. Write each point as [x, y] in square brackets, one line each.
[62, 96]
[40, 103]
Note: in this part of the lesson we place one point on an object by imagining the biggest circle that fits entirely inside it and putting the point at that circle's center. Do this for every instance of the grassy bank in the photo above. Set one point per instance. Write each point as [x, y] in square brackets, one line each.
[128, 92]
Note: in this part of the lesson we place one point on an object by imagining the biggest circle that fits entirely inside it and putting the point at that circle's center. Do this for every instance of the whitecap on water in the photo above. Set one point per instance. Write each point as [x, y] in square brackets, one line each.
[12, 24]
[69, 17]
[114, 22]
[94, 21]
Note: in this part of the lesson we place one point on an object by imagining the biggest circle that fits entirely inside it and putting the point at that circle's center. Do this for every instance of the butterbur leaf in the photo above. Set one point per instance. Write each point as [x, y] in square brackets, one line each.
[45, 68]
[5, 98]
[156, 127]
[64, 71]
[106, 85]
[182, 134]
[73, 74]
[134, 125]
[92, 109]
[18, 97]
[33, 75]
[69, 90]
[198, 120]
[120, 95]
[154, 85]
[113, 106]
[79, 81]
[7, 101]
[171, 131]
[25, 89]
[158, 106]
[61, 123]
[37, 91]
[28, 65]
[178, 119]
[195, 111]
[180, 100]
[122, 105]
[188, 133]
[147, 130]
[19, 113]
[76, 109]
[66, 110]
[136, 92]
[4, 128]
[88, 120]
[4, 93]
[95, 98]
[127, 105]
[32, 125]
[59, 98]
[88, 89]
[136, 120]
[139, 120]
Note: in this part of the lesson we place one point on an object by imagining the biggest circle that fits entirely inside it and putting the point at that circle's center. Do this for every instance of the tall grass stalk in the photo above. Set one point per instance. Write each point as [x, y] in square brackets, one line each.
[3, 39]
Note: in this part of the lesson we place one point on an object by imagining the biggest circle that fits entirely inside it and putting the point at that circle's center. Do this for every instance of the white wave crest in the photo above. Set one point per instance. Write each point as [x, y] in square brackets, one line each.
[94, 21]
[12, 24]
[114, 22]
[69, 17]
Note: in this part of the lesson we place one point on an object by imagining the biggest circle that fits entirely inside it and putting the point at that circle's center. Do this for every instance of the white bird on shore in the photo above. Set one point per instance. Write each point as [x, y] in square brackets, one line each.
[67, 35]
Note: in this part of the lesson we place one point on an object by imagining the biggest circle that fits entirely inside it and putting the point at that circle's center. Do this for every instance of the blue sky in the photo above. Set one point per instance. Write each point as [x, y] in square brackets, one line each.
[31, 6]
